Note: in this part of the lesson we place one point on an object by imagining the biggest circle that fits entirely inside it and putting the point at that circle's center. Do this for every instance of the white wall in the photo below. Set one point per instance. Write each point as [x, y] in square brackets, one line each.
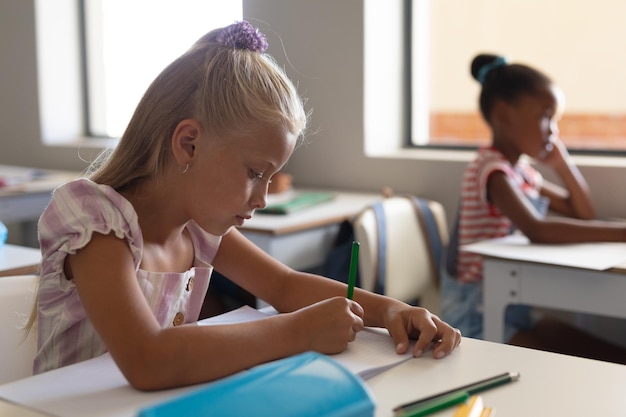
[323, 41]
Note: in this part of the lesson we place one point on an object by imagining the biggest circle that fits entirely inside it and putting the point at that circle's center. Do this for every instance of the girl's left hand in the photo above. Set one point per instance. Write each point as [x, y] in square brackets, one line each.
[418, 323]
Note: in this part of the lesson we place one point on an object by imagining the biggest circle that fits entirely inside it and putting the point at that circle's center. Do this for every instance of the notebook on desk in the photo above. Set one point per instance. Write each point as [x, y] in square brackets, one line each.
[293, 202]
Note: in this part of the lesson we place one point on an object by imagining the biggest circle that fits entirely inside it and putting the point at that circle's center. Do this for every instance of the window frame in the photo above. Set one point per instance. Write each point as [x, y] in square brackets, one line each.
[94, 77]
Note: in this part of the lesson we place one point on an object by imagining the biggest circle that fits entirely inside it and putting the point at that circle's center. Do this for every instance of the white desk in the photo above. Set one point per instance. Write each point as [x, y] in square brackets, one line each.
[302, 239]
[18, 260]
[550, 385]
[565, 277]
[25, 193]
[28, 191]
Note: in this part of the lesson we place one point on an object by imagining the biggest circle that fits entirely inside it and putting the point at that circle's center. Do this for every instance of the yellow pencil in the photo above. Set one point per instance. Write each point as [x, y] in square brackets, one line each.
[474, 408]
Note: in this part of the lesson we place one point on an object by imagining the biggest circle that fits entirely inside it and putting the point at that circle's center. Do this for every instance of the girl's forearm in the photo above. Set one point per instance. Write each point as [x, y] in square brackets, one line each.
[193, 354]
[566, 230]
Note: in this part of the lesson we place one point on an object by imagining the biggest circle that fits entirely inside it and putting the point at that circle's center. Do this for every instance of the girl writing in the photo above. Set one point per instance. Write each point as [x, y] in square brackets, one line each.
[129, 251]
[501, 192]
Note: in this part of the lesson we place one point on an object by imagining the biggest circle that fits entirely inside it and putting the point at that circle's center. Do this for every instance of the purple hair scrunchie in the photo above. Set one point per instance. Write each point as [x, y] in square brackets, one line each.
[242, 35]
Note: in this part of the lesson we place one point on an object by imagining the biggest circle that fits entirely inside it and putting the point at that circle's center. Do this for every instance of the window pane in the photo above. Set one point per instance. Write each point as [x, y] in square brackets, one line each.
[128, 42]
[574, 45]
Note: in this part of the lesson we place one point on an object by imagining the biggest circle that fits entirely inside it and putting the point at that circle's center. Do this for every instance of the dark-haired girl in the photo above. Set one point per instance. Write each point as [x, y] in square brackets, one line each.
[501, 193]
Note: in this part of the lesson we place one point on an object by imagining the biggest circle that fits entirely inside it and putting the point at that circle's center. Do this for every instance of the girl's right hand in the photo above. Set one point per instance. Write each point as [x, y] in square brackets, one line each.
[557, 155]
[329, 325]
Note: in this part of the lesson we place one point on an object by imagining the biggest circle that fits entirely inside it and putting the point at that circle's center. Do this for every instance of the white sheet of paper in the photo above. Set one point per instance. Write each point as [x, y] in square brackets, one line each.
[596, 256]
[371, 353]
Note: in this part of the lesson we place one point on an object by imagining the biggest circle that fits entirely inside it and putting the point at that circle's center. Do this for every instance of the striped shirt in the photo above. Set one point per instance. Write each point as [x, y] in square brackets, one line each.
[77, 210]
[479, 219]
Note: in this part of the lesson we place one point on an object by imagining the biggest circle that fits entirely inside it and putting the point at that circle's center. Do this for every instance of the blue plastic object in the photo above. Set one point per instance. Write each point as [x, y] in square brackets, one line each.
[4, 232]
[305, 385]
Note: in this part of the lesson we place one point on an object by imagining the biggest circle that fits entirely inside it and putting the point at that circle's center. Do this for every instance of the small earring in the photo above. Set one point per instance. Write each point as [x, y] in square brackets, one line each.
[182, 171]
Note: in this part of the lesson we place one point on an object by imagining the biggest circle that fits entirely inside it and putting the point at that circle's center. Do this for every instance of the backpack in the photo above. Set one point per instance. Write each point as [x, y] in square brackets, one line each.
[337, 262]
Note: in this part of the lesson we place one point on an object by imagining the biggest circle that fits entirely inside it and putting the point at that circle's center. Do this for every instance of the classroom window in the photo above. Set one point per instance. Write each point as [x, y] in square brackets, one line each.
[574, 42]
[127, 43]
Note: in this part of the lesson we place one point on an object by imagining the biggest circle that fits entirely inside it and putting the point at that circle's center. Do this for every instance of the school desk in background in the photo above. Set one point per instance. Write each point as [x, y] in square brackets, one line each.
[303, 238]
[25, 192]
[594, 274]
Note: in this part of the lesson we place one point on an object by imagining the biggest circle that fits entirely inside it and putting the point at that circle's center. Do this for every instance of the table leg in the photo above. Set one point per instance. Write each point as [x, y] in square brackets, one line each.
[501, 288]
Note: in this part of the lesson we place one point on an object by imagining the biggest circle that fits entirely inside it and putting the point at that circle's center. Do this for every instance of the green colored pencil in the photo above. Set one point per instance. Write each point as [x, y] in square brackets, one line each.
[354, 263]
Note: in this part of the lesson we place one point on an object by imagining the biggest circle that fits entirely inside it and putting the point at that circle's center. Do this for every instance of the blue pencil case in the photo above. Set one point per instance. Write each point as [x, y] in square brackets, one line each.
[305, 385]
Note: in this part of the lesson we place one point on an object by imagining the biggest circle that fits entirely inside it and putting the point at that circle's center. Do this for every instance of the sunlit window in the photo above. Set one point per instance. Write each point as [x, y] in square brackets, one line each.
[574, 42]
[128, 42]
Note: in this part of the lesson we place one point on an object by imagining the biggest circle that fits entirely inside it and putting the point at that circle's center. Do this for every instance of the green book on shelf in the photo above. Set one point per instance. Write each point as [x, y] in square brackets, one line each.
[298, 202]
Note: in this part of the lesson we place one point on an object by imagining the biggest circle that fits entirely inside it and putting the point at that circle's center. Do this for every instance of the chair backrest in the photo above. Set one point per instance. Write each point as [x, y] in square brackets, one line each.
[17, 351]
[402, 239]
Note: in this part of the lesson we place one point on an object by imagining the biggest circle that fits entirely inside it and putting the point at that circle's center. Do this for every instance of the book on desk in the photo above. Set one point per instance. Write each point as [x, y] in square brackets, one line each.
[291, 201]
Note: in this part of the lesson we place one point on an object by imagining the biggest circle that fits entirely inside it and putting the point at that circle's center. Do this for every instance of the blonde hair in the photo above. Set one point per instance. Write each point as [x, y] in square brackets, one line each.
[229, 90]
